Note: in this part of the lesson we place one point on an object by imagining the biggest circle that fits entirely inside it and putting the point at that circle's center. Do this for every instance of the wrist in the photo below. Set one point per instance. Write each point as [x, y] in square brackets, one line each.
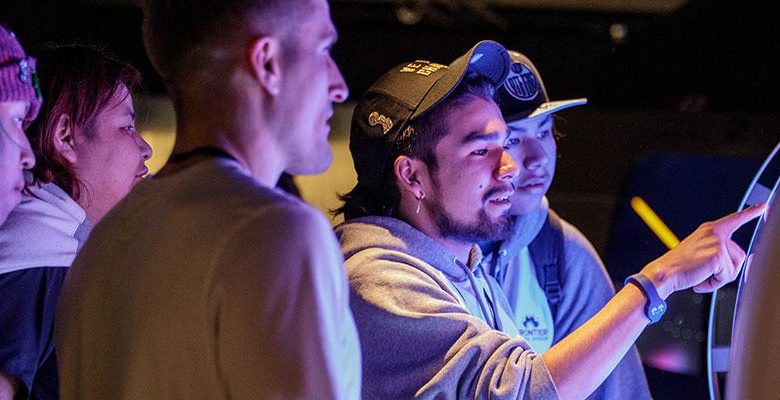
[655, 307]
[658, 277]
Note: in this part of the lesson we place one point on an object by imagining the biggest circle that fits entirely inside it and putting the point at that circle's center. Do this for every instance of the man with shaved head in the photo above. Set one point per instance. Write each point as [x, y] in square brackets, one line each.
[206, 282]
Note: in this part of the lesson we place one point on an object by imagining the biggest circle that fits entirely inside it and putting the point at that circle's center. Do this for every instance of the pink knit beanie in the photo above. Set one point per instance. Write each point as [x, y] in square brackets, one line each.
[18, 80]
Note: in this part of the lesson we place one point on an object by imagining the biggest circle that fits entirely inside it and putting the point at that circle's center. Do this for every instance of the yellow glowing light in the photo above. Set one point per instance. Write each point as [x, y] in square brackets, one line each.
[161, 142]
[654, 222]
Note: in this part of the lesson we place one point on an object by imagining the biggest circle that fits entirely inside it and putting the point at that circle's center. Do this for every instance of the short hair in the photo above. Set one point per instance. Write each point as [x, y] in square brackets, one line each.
[175, 31]
[418, 142]
[80, 81]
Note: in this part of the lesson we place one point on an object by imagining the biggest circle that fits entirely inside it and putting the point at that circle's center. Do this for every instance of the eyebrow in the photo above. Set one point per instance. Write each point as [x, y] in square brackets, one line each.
[515, 129]
[480, 137]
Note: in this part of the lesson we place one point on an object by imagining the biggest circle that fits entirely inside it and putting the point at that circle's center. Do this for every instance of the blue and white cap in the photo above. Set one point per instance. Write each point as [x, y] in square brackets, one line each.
[523, 94]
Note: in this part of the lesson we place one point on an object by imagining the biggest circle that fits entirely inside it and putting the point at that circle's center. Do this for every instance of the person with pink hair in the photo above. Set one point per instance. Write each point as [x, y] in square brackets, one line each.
[89, 156]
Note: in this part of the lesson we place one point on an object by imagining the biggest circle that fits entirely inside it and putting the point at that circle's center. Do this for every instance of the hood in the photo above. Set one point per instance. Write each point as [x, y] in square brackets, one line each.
[394, 234]
[45, 230]
[526, 227]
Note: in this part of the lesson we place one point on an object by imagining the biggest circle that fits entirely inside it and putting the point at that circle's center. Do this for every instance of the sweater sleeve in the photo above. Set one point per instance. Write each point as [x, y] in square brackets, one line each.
[584, 273]
[418, 341]
[27, 308]
[282, 310]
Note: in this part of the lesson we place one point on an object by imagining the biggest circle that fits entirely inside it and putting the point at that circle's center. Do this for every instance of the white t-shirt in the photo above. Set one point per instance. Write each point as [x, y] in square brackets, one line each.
[529, 303]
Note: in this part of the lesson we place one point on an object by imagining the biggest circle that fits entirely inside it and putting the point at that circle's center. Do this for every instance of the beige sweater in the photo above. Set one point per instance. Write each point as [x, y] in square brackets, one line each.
[206, 285]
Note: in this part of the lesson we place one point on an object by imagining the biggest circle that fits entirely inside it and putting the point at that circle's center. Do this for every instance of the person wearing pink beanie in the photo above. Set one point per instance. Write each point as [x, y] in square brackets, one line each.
[19, 104]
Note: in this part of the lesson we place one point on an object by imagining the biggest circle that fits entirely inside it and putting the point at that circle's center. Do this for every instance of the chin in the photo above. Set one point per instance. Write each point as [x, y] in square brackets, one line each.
[313, 165]
[526, 206]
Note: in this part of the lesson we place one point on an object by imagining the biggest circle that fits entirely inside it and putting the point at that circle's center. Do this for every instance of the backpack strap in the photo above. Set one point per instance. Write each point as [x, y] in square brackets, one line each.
[547, 254]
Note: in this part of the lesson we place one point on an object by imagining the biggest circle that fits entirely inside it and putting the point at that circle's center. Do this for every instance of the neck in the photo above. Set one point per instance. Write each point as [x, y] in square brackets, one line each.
[460, 249]
[232, 127]
[425, 223]
[95, 211]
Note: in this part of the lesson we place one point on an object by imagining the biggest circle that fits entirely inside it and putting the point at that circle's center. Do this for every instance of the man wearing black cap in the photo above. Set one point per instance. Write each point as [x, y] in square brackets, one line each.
[435, 177]
[552, 276]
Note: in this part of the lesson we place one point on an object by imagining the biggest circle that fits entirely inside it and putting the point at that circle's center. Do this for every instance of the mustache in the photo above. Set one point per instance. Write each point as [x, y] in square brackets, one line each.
[499, 189]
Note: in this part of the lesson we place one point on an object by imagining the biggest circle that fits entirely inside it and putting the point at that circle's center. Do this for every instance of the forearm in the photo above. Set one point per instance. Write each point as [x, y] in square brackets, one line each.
[8, 386]
[581, 361]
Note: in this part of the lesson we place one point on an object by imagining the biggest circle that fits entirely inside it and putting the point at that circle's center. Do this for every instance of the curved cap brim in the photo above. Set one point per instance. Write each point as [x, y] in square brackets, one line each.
[487, 58]
[555, 106]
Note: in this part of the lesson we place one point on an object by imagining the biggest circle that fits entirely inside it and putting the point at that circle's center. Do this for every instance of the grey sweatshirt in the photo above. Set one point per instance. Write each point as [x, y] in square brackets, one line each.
[427, 322]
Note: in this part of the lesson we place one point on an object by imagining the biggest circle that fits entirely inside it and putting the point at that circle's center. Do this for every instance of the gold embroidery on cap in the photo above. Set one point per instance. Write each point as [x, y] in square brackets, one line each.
[422, 67]
[376, 118]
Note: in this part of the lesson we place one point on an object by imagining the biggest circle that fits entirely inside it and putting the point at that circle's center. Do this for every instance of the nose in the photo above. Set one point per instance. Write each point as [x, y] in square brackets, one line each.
[26, 156]
[534, 155]
[146, 150]
[338, 90]
[507, 168]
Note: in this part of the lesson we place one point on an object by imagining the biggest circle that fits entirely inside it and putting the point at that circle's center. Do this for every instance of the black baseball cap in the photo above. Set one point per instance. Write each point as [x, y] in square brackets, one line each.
[405, 93]
[523, 94]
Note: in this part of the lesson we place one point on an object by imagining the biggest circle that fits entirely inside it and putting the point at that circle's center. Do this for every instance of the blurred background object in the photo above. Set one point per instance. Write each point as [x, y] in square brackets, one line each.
[753, 373]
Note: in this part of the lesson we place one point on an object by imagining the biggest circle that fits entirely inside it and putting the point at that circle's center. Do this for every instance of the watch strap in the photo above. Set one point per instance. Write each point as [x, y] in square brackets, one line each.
[655, 306]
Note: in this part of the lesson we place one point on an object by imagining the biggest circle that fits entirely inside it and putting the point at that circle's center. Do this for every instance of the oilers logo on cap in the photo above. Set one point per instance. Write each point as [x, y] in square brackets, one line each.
[523, 94]
[522, 83]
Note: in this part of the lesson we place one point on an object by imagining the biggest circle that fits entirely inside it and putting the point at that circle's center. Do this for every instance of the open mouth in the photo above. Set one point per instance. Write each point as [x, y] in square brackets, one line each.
[500, 200]
[500, 196]
[142, 173]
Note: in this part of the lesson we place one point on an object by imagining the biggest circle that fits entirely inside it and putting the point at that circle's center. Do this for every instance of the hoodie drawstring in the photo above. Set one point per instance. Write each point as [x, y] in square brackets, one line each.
[475, 258]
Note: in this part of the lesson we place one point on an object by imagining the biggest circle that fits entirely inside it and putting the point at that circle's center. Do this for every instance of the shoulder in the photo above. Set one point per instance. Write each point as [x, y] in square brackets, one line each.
[288, 218]
[575, 242]
[280, 245]
[574, 238]
[582, 261]
[253, 206]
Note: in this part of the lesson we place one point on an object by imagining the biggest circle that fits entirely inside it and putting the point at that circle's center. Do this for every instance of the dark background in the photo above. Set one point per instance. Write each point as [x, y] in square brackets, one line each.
[694, 82]
[703, 55]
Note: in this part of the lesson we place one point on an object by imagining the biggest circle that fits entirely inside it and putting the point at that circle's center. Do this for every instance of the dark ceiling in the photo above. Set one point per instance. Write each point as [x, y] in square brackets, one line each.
[701, 56]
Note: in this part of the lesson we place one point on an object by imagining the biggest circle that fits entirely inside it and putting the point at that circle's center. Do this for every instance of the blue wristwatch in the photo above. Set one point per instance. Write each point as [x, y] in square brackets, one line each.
[655, 307]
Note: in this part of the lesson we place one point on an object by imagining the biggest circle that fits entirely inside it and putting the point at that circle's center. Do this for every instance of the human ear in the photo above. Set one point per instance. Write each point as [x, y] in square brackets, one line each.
[408, 173]
[264, 54]
[64, 141]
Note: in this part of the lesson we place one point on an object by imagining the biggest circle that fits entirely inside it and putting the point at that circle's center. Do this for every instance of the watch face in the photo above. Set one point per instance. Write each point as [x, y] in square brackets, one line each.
[725, 305]
[655, 306]
[656, 312]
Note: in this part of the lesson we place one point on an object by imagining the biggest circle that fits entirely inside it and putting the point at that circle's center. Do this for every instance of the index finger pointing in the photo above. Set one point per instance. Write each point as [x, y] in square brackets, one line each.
[732, 222]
